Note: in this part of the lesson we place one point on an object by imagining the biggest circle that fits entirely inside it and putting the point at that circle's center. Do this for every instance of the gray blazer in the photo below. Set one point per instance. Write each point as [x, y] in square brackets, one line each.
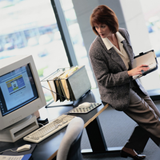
[111, 73]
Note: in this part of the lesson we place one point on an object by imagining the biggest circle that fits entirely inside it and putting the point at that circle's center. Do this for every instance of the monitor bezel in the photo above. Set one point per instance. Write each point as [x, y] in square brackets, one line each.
[11, 64]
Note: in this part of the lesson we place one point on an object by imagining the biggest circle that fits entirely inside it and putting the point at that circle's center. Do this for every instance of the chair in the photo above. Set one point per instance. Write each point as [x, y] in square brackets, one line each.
[70, 147]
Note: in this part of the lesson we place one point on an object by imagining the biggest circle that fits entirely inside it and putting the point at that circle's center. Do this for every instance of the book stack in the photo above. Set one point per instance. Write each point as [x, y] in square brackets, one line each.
[69, 84]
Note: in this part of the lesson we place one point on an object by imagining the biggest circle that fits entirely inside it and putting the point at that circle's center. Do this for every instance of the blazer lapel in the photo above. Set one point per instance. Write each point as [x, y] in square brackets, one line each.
[116, 57]
[128, 50]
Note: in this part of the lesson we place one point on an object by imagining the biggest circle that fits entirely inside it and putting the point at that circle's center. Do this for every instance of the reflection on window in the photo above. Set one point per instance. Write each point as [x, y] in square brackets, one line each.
[31, 28]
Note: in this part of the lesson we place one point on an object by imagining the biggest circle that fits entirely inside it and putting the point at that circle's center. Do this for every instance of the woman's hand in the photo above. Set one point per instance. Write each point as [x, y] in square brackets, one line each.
[138, 70]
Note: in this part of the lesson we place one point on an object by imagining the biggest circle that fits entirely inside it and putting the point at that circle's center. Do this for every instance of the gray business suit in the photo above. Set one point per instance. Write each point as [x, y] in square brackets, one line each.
[118, 89]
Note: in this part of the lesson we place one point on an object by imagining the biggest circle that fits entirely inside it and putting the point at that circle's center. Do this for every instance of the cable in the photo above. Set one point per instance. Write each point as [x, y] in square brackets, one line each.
[8, 150]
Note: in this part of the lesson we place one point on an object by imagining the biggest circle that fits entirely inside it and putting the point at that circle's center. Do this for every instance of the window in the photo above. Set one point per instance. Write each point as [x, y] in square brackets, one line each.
[31, 28]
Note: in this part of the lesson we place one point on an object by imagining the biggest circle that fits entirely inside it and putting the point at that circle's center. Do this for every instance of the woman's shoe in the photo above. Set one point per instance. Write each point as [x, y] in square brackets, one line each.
[128, 152]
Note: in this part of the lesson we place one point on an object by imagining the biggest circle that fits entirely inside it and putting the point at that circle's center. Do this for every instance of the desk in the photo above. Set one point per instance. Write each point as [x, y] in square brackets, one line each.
[47, 149]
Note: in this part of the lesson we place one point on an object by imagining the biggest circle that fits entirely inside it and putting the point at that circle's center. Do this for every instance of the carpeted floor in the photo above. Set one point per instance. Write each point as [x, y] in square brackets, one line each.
[117, 128]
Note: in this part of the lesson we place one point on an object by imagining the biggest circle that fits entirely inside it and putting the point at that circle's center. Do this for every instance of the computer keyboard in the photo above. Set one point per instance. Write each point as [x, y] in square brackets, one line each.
[49, 129]
[85, 107]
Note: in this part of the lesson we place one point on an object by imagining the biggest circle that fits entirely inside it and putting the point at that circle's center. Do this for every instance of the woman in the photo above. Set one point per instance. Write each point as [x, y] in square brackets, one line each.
[111, 56]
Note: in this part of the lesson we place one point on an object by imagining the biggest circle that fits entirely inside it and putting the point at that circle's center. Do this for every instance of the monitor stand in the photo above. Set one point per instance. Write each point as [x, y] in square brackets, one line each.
[19, 130]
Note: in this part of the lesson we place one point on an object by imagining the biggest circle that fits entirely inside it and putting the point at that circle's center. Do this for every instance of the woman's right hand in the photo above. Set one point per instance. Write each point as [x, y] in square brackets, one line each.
[138, 70]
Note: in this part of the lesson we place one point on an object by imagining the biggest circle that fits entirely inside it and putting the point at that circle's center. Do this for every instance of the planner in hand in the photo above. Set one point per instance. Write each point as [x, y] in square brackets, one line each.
[146, 58]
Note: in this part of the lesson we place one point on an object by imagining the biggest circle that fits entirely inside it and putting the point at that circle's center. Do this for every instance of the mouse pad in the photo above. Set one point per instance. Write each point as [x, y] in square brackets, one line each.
[20, 153]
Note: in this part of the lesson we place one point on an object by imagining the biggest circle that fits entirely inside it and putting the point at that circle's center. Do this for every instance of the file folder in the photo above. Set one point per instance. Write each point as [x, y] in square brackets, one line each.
[69, 85]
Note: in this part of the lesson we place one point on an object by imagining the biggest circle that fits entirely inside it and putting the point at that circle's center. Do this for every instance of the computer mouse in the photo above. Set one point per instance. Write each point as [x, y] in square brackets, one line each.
[25, 147]
[84, 105]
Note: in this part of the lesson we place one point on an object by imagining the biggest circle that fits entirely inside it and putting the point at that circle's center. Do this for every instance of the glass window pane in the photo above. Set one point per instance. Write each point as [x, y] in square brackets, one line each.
[151, 14]
[29, 27]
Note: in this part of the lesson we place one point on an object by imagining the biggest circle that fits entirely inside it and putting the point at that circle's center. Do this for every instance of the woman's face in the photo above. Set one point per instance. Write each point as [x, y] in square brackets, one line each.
[103, 30]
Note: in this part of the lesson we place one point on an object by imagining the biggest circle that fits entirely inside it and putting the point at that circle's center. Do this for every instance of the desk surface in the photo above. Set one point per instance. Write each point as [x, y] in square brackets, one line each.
[48, 147]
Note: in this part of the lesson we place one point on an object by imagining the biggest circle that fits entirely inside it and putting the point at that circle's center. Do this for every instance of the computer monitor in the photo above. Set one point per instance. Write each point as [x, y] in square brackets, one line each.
[21, 95]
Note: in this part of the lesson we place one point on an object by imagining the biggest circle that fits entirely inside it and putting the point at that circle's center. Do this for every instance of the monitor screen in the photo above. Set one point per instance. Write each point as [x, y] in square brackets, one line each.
[17, 89]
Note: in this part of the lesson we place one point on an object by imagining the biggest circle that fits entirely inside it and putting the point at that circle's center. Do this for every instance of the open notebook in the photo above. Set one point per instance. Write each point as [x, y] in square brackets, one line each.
[148, 58]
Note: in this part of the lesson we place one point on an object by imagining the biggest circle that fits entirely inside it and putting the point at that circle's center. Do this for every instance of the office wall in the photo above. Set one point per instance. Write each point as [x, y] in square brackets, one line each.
[136, 26]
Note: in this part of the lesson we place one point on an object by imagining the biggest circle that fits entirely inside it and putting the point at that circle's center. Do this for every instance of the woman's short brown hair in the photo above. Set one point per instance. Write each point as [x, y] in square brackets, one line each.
[104, 15]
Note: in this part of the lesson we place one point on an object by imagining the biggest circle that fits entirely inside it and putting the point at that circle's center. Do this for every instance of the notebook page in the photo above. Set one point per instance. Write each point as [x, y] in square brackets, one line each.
[6, 157]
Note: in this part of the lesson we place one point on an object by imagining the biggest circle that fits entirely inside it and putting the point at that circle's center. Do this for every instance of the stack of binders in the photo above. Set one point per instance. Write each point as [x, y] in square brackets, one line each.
[70, 84]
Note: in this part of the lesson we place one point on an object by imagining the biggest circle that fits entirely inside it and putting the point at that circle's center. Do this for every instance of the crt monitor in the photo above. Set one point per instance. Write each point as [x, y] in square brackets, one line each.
[21, 95]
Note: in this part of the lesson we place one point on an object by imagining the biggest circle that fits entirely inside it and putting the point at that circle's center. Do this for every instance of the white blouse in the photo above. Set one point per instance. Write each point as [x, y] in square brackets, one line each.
[122, 51]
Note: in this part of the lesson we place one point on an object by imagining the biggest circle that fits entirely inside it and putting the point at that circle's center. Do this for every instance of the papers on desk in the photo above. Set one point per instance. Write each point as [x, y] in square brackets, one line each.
[147, 58]
[19, 157]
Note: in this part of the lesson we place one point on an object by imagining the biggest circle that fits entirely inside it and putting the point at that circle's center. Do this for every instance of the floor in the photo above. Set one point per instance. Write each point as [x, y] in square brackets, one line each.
[117, 128]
